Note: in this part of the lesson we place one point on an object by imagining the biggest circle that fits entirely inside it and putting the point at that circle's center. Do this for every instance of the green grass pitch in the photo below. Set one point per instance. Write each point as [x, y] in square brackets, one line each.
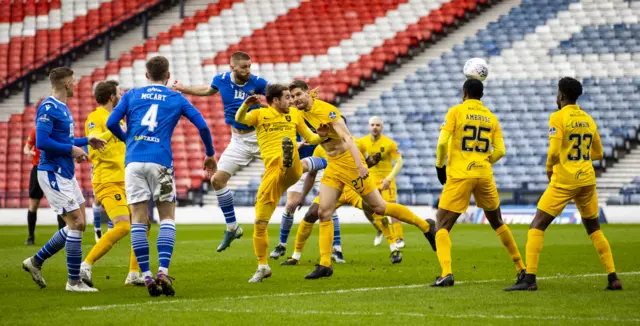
[212, 288]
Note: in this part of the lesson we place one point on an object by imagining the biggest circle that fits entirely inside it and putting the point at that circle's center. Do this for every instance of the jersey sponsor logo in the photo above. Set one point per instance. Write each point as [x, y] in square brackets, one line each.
[153, 89]
[239, 94]
[44, 118]
[91, 125]
[147, 138]
[552, 131]
[473, 165]
[332, 115]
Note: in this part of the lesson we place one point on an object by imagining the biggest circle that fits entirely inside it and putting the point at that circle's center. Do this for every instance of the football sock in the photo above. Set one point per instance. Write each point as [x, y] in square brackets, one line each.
[302, 235]
[604, 250]
[225, 201]
[109, 225]
[535, 240]
[443, 243]
[32, 217]
[73, 247]
[285, 227]
[397, 230]
[315, 163]
[133, 260]
[404, 214]
[326, 239]
[97, 215]
[166, 241]
[504, 233]
[386, 231]
[61, 222]
[120, 230]
[260, 243]
[140, 245]
[57, 242]
[336, 231]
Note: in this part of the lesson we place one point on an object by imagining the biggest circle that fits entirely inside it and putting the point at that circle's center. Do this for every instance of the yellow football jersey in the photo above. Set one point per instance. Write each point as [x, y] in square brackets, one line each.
[389, 151]
[322, 113]
[473, 130]
[320, 152]
[108, 165]
[272, 126]
[579, 133]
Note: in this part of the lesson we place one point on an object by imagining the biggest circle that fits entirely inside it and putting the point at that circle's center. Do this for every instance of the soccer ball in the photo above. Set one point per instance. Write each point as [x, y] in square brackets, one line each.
[476, 68]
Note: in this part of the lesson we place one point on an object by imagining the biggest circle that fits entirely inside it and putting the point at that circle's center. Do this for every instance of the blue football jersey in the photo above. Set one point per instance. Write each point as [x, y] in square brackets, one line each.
[152, 113]
[233, 95]
[54, 118]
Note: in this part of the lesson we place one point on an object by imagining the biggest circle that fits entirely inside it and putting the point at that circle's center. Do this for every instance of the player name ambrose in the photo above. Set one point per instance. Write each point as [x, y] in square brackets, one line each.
[477, 117]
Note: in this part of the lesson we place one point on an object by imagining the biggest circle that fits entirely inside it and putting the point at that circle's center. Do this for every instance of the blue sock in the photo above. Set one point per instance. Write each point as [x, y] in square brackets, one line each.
[225, 201]
[140, 246]
[285, 227]
[315, 163]
[52, 246]
[336, 230]
[74, 253]
[97, 214]
[110, 224]
[166, 241]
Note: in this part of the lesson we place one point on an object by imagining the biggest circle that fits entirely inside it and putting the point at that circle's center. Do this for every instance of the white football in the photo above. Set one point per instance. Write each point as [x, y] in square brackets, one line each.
[476, 68]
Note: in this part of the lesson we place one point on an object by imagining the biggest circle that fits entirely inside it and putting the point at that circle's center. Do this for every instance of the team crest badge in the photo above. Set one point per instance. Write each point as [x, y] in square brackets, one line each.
[118, 197]
[288, 117]
[332, 115]
[91, 125]
[552, 131]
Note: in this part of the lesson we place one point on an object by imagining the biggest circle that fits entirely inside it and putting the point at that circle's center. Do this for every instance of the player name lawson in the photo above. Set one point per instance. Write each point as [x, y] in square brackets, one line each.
[477, 117]
[579, 124]
[153, 96]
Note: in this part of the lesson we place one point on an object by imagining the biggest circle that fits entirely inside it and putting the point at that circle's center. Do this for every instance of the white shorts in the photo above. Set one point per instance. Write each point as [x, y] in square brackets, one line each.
[149, 181]
[64, 195]
[298, 186]
[242, 149]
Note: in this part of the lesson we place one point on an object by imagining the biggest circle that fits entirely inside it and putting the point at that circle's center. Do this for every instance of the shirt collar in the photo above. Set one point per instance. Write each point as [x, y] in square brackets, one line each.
[571, 107]
[474, 101]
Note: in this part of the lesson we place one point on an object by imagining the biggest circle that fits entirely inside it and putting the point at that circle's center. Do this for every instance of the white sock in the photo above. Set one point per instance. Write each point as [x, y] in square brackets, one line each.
[337, 248]
[147, 273]
[164, 270]
[85, 265]
[263, 266]
[393, 247]
[296, 255]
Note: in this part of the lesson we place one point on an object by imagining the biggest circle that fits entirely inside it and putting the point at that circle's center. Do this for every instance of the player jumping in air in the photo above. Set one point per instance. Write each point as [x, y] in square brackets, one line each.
[473, 131]
[345, 167]
[56, 175]
[152, 113]
[276, 130]
[574, 144]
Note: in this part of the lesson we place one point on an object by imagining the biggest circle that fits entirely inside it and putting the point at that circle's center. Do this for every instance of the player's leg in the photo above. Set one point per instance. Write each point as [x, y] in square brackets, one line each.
[336, 254]
[379, 235]
[97, 216]
[61, 222]
[382, 223]
[487, 198]
[294, 194]
[390, 196]
[587, 202]
[313, 163]
[330, 191]
[35, 195]
[304, 231]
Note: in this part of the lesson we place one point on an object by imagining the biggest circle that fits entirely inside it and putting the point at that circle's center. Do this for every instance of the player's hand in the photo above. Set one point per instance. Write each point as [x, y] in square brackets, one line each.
[376, 158]
[252, 101]
[549, 174]
[79, 154]
[314, 92]
[363, 172]
[298, 204]
[97, 143]
[177, 86]
[323, 130]
[385, 184]
[442, 174]
[210, 166]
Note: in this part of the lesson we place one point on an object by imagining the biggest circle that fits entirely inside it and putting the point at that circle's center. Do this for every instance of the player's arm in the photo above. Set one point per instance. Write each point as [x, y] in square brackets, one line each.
[113, 122]
[498, 145]
[244, 116]
[597, 152]
[95, 129]
[309, 136]
[397, 157]
[373, 160]
[200, 90]
[341, 129]
[30, 145]
[556, 133]
[441, 148]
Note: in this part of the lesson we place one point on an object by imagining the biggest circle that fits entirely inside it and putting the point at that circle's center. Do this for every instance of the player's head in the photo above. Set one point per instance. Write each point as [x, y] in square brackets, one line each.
[375, 126]
[472, 90]
[569, 89]
[62, 79]
[278, 97]
[158, 70]
[107, 93]
[241, 66]
[300, 95]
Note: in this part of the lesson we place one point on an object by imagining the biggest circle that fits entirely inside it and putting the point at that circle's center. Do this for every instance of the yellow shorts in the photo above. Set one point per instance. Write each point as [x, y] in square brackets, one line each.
[555, 199]
[390, 194]
[457, 194]
[112, 196]
[341, 171]
[276, 180]
[348, 197]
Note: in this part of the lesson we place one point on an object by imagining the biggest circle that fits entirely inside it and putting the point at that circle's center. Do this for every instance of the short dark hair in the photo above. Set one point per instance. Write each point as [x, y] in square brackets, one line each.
[158, 68]
[275, 91]
[571, 88]
[239, 55]
[104, 90]
[474, 88]
[299, 84]
[57, 75]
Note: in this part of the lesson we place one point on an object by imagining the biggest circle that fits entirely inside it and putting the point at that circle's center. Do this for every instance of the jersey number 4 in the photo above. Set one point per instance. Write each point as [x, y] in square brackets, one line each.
[149, 119]
[577, 147]
[476, 135]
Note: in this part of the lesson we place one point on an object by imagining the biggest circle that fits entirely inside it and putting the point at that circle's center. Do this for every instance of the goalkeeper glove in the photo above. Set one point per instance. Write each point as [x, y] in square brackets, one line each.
[442, 174]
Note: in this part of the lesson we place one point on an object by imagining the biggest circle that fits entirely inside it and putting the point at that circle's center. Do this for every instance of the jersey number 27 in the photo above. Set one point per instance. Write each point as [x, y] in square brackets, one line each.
[149, 119]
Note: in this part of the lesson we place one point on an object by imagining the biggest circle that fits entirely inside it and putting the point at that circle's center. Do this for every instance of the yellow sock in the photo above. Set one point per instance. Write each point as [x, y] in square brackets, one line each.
[385, 229]
[604, 250]
[133, 262]
[302, 235]
[326, 242]
[397, 230]
[260, 243]
[119, 231]
[403, 214]
[535, 241]
[443, 243]
[506, 237]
